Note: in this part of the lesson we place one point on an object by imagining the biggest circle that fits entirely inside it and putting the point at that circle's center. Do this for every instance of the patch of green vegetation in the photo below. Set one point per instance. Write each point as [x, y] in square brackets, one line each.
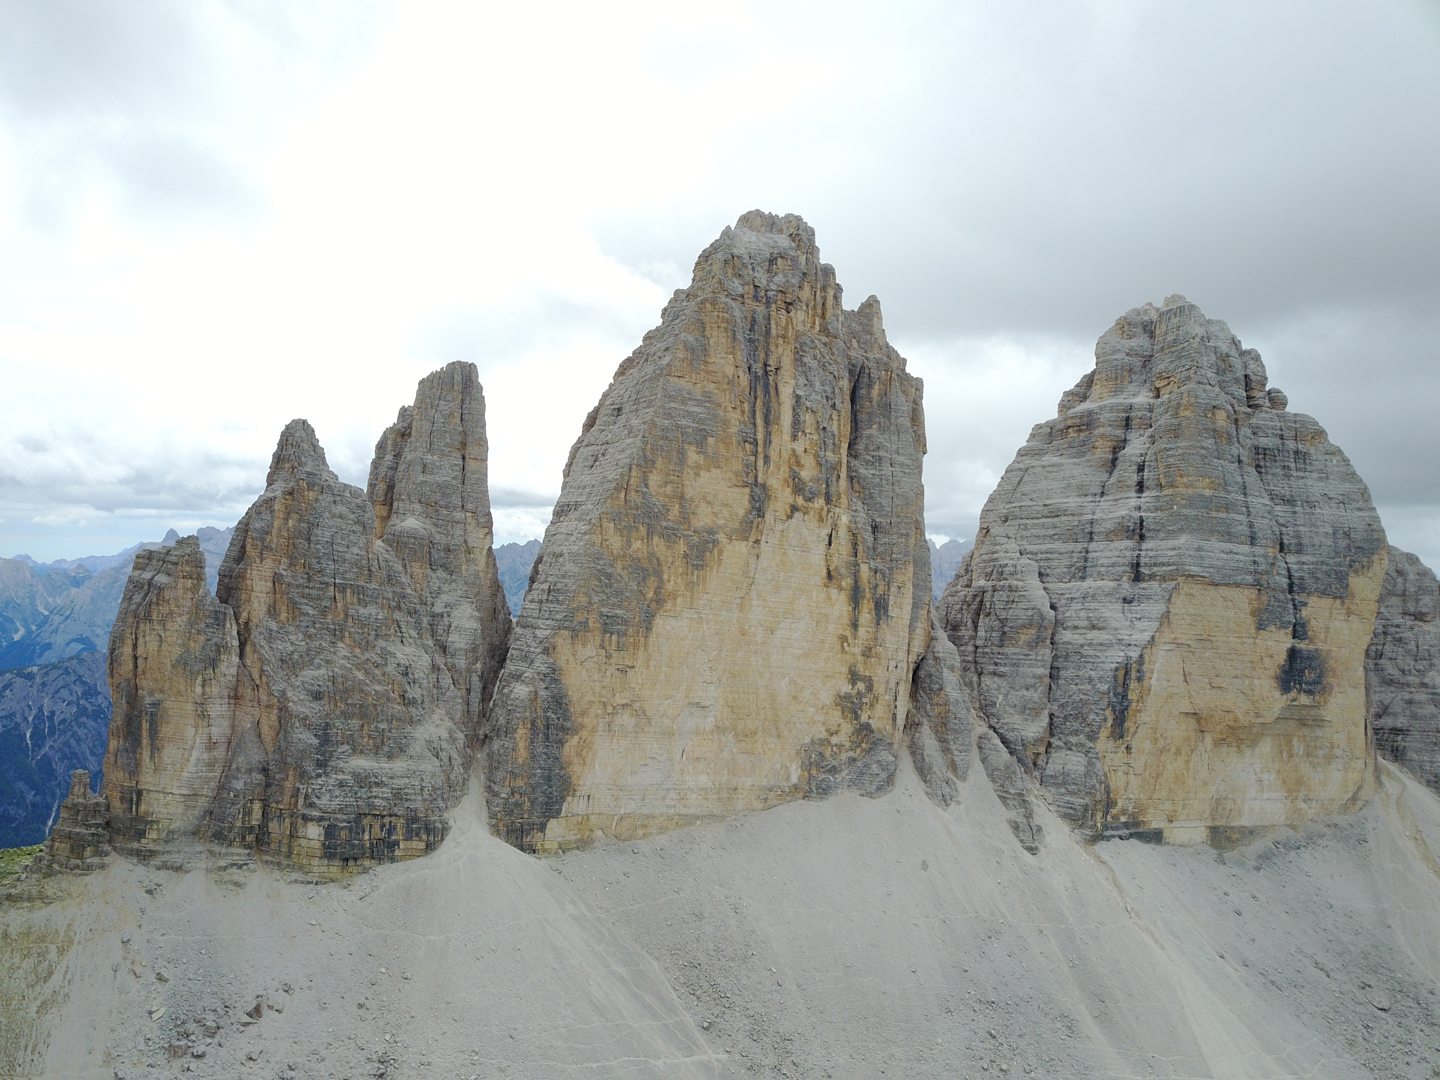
[15, 859]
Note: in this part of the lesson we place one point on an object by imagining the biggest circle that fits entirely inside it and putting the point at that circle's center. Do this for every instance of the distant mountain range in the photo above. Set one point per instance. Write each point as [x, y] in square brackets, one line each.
[55, 621]
[944, 561]
[514, 562]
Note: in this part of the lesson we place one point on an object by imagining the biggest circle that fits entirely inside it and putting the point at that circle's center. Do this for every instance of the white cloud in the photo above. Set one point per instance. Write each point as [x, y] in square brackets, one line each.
[216, 218]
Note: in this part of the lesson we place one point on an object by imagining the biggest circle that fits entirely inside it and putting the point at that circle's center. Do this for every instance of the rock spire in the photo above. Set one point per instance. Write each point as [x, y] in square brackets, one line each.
[318, 709]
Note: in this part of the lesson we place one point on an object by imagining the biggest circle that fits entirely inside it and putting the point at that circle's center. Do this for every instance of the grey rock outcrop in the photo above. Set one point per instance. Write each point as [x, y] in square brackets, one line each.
[430, 492]
[1012, 787]
[53, 611]
[56, 619]
[942, 718]
[1402, 668]
[349, 741]
[733, 592]
[80, 840]
[318, 709]
[1166, 608]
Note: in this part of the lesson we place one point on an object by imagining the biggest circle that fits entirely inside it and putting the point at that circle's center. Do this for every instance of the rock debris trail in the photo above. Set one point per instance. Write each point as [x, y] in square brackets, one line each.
[849, 937]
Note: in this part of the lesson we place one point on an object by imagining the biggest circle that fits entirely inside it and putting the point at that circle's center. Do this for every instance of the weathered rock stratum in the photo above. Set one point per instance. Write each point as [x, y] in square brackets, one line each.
[1402, 668]
[733, 592]
[1166, 611]
[319, 708]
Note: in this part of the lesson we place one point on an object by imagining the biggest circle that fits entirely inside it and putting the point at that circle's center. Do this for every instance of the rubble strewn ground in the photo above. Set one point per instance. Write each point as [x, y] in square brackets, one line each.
[838, 938]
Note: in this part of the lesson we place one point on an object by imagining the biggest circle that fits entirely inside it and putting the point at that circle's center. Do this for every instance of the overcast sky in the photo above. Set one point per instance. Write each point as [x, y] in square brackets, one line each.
[217, 216]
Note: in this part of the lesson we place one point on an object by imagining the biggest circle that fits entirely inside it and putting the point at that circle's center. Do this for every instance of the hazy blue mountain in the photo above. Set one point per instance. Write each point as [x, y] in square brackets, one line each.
[944, 561]
[53, 718]
[51, 611]
[514, 562]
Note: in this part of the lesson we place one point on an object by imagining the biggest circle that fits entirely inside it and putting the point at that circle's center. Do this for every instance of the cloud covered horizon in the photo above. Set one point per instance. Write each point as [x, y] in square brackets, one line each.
[216, 218]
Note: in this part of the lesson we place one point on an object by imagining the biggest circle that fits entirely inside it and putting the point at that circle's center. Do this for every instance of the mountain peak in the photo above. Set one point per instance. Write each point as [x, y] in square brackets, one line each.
[298, 451]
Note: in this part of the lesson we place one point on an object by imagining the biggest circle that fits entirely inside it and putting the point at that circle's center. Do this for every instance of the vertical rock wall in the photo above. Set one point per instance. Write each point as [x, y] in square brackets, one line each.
[732, 594]
[430, 493]
[1402, 668]
[318, 708]
[174, 661]
[351, 740]
[1168, 604]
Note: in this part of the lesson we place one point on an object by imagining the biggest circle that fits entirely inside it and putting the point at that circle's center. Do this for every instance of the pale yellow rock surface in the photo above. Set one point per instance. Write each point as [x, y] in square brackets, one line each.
[174, 659]
[1214, 743]
[733, 592]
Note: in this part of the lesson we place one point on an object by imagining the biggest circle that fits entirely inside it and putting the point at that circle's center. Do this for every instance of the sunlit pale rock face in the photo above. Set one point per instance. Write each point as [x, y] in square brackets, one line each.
[732, 595]
[1403, 668]
[1166, 611]
[174, 661]
[318, 708]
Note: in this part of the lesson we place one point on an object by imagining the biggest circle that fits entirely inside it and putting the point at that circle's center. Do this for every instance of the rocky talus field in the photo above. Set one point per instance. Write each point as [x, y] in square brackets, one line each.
[1148, 790]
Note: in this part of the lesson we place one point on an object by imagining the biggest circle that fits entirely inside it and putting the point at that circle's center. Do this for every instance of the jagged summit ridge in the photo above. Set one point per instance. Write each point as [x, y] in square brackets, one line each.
[1162, 622]
[1167, 605]
[318, 709]
[731, 597]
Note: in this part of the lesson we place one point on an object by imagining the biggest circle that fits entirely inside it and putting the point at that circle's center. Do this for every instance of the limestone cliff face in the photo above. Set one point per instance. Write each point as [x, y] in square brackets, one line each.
[350, 745]
[1168, 604]
[318, 708]
[431, 497]
[732, 593]
[174, 660]
[1402, 668]
[942, 717]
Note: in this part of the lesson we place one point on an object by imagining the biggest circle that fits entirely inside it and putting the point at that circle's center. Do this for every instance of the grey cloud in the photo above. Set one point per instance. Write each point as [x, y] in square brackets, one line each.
[173, 481]
[164, 99]
[515, 498]
[987, 172]
[1267, 158]
[662, 248]
[163, 174]
[81, 58]
[1415, 529]
[1371, 376]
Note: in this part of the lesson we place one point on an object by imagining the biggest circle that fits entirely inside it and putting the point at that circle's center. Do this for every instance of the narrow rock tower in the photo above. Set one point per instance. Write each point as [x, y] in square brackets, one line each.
[733, 593]
[429, 487]
[1166, 611]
